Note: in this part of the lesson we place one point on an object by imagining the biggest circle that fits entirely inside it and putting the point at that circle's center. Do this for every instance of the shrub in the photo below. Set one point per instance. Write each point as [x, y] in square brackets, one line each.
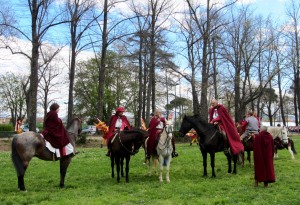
[6, 127]
[81, 138]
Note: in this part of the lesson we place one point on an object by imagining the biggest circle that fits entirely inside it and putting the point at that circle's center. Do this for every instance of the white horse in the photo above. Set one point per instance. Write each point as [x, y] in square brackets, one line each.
[164, 150]
[280, 136]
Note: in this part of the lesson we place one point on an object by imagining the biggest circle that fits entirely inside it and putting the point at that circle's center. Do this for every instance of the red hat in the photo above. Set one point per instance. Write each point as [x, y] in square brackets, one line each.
[120, 109]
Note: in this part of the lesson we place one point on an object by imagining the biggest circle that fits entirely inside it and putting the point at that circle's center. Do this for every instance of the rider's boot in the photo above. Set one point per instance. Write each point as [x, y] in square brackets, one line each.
[174, 153]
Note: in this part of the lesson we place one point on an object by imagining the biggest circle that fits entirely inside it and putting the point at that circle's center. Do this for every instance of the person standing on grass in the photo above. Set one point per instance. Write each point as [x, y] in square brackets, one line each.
[263, 152]
[18, 127]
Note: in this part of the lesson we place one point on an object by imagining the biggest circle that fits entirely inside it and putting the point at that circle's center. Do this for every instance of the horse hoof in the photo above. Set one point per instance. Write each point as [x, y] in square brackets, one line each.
[62, 186]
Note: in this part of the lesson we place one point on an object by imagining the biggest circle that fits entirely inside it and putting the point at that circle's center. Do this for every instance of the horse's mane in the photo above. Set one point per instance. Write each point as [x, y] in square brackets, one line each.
[136, 130]
[71, 122]
[198, 118]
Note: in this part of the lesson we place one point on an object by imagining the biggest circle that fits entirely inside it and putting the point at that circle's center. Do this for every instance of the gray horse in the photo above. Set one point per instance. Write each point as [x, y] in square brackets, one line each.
[27, 145]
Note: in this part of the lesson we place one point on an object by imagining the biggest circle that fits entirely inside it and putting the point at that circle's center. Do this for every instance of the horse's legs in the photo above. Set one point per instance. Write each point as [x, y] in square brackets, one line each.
[161, 167]
[204, 156]
[249, 157]
[168, 168]
[212, 164]
[228, 156]
[234, 158]
[241, 158]
[21, 173]
[275, 152]
[20, 164]
[291, 152]
[112, 164]
[149, 166]
[127, 168]
[155, 164]
[122, 166]
[64, 163]
[117, 160]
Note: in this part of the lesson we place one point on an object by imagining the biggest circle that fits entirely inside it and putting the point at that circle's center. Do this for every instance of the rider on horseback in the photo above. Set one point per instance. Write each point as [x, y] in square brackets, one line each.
[219, 115]
[118, 123]
[55, 132]
[250, 124]
[156, 126]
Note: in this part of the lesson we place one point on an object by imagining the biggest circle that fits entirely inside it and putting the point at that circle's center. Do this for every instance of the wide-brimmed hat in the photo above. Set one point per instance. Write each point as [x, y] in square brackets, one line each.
[120, 109]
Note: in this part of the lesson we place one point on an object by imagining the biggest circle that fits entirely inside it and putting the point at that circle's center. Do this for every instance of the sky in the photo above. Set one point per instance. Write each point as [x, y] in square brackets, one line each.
[19, 64]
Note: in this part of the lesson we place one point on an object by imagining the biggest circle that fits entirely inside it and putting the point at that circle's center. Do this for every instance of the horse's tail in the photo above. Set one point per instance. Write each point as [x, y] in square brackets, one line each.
[293, 146]
[18, 163]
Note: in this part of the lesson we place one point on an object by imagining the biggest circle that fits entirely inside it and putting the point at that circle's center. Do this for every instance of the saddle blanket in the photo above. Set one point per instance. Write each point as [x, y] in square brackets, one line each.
[66, 150]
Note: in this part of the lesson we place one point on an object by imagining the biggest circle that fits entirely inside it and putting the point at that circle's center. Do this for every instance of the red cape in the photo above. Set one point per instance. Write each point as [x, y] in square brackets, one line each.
[54, 131]
[263, 151]
[153, 133]
[226, 123]
[112, 124]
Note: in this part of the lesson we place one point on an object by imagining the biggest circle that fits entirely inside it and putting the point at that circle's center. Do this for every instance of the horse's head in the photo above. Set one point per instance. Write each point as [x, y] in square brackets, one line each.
[169, 127]
[284, 133]
[140, 138]
[75, 126]
[186, 126]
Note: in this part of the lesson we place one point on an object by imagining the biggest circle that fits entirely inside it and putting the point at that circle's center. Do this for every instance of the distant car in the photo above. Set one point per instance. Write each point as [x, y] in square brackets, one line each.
[25, 128]
[90, 129]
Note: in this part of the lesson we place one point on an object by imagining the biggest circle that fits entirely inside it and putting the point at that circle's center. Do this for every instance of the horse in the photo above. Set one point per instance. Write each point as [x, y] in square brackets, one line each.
[281, 141]
[27, 145]
[164, 150]
[163, 155]
[125, 144]
[248, 143]
[211, 141]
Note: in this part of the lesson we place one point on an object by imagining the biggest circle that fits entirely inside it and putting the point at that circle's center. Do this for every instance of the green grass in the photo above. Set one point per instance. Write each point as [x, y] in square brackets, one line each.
[89, 181]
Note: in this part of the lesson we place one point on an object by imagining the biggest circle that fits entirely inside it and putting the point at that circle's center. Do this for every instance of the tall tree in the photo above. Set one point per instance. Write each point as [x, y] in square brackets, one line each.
[42, 20]
[78, 11]
[12, 95]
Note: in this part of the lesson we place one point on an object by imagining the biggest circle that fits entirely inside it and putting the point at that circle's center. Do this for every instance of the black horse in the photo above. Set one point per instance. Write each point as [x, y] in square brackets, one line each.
[125, 144]
[210, 141]
[27, 145]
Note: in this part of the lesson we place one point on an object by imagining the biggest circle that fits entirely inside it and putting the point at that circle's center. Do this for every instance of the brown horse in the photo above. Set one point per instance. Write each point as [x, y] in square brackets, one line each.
[27, 145]
[125, 144]
[248, 147]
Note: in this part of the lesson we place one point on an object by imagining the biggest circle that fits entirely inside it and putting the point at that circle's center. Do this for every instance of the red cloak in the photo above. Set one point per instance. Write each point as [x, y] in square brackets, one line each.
[226, 123]
[112, 125]
[153, 133]
[263, 152]
[54, 131]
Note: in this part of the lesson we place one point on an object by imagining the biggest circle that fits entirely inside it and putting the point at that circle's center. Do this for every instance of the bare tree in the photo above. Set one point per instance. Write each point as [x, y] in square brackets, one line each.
[293, 12]
[78, 11]
[42, 20]
[12, 95]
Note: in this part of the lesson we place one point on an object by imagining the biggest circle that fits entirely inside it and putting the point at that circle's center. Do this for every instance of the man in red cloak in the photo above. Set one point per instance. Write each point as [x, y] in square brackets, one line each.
[54, 130]
[118, 122]
[219, 115]
[263, 152]
[156, 126]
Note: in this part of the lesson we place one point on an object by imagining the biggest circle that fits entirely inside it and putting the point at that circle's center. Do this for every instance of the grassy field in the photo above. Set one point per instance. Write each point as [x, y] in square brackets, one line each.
[89, 181]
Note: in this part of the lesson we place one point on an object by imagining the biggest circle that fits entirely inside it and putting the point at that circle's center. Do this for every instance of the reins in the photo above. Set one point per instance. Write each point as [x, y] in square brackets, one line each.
[130, 152]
